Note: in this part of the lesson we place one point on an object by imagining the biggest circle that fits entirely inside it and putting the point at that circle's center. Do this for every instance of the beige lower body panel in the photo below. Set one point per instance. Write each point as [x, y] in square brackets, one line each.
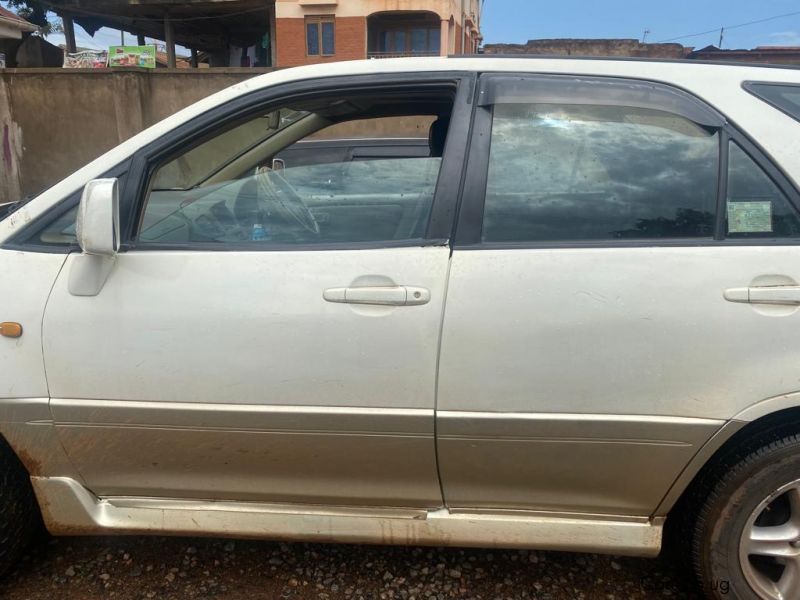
[254, 453]
[578, 463]
[26, 425]
[70, 509]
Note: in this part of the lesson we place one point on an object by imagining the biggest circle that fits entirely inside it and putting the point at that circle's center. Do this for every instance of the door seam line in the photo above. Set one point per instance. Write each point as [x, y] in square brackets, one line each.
[436, 381]
[59, 441]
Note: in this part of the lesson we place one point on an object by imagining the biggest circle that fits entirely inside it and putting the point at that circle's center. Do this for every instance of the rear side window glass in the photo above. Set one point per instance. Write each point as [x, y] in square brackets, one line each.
[756, 207]
[575, 173]
[782, 97]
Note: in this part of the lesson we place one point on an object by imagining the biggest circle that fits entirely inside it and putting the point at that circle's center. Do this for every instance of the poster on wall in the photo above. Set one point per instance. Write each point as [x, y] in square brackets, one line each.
[88, 59]
[132, 56]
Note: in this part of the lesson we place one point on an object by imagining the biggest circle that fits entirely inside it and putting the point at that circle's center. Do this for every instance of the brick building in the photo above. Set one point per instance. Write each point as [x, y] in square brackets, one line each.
[284, 33]
[313, 31]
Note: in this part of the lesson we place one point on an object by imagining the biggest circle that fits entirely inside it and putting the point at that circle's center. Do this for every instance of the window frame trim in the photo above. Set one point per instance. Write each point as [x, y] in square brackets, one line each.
[470, 219]
[441, 221]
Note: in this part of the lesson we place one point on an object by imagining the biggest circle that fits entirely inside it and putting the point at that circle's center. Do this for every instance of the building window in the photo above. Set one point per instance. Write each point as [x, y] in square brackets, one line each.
[320, 36]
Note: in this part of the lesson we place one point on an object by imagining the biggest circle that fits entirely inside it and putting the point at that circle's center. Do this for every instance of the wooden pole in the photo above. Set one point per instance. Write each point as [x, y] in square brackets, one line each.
[169, 38]
[69, 33]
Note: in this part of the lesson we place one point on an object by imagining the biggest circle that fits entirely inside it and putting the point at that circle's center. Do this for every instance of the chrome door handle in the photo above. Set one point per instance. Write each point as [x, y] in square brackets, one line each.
[777, 294]
[397, 295]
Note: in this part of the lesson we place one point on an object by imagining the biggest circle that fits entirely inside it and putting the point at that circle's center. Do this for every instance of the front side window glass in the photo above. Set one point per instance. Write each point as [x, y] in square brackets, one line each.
[582, 173]
[756, 207]
[290, 183]
[197, 164]
[60, 232]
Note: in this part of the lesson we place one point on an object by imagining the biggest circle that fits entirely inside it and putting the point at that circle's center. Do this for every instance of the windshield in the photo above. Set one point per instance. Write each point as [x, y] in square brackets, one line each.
[196, 165]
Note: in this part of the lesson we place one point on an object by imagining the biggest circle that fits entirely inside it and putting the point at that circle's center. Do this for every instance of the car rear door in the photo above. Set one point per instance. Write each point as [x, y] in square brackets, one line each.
[254, 371]
[597, 329]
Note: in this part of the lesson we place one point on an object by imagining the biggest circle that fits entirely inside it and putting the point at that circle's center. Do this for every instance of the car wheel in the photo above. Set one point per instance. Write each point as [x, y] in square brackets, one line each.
[19, 519]
[747, 534]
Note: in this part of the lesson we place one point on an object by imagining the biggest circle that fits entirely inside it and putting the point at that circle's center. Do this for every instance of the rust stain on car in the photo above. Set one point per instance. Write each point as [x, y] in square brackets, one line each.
[32, 465]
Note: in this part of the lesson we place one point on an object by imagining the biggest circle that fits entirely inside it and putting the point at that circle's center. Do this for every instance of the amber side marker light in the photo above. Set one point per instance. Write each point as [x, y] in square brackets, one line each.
[10, 329]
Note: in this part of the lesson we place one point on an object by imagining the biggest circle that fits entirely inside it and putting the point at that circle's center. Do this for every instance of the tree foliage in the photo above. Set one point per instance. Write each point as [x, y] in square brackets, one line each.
[37, 13]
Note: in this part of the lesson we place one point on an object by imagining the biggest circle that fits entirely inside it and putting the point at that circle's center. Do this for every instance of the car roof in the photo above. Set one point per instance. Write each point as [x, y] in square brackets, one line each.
[640, 59]
[629, 66]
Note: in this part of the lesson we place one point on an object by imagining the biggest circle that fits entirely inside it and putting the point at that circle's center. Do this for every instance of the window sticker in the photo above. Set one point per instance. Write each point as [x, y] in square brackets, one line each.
[750, 217]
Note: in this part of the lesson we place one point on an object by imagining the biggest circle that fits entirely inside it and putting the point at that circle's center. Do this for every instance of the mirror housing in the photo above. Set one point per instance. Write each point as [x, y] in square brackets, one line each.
[98, 233]
[97, 225]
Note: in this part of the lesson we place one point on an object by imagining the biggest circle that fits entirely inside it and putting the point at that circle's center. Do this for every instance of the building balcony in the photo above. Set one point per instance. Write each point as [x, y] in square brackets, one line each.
[398, 34]
[399, 54]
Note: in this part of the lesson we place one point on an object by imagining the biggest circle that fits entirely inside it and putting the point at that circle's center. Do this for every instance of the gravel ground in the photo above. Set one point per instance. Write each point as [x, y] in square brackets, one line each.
[178, 568]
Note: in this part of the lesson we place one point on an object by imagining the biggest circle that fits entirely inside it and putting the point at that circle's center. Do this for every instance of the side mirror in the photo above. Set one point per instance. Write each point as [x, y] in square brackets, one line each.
[97, 226]
[97, 229]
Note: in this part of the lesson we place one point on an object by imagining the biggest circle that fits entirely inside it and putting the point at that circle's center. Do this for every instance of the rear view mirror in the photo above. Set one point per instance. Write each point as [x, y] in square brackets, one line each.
[97, 225]
[97, 229]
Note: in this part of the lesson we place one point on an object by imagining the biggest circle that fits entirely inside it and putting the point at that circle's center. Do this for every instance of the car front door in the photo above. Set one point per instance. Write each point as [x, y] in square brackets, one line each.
[257, 359]
[596, 331]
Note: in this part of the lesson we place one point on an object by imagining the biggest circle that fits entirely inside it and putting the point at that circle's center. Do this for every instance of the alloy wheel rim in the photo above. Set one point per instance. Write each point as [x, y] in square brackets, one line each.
[769, 549]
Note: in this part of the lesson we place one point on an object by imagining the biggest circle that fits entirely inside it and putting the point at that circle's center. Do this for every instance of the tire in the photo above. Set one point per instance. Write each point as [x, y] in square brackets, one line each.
[752, 491]
[19, 516]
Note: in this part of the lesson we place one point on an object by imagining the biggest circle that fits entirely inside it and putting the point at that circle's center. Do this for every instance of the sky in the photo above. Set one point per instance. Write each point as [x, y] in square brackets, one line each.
[516, 21]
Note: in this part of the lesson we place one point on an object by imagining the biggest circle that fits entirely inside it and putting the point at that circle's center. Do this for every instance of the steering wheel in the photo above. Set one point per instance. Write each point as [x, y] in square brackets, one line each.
[285, 199]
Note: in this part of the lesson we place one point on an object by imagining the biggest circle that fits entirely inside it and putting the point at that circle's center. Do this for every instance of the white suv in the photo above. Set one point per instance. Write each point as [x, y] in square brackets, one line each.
[571, 322]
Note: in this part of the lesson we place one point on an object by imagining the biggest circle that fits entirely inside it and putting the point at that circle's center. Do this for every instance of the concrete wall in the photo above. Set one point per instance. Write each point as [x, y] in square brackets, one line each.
[591, 47]
[53, 121]
[775, 55]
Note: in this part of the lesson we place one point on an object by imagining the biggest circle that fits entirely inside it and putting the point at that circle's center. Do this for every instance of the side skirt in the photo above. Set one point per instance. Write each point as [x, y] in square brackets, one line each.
[69, 508]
